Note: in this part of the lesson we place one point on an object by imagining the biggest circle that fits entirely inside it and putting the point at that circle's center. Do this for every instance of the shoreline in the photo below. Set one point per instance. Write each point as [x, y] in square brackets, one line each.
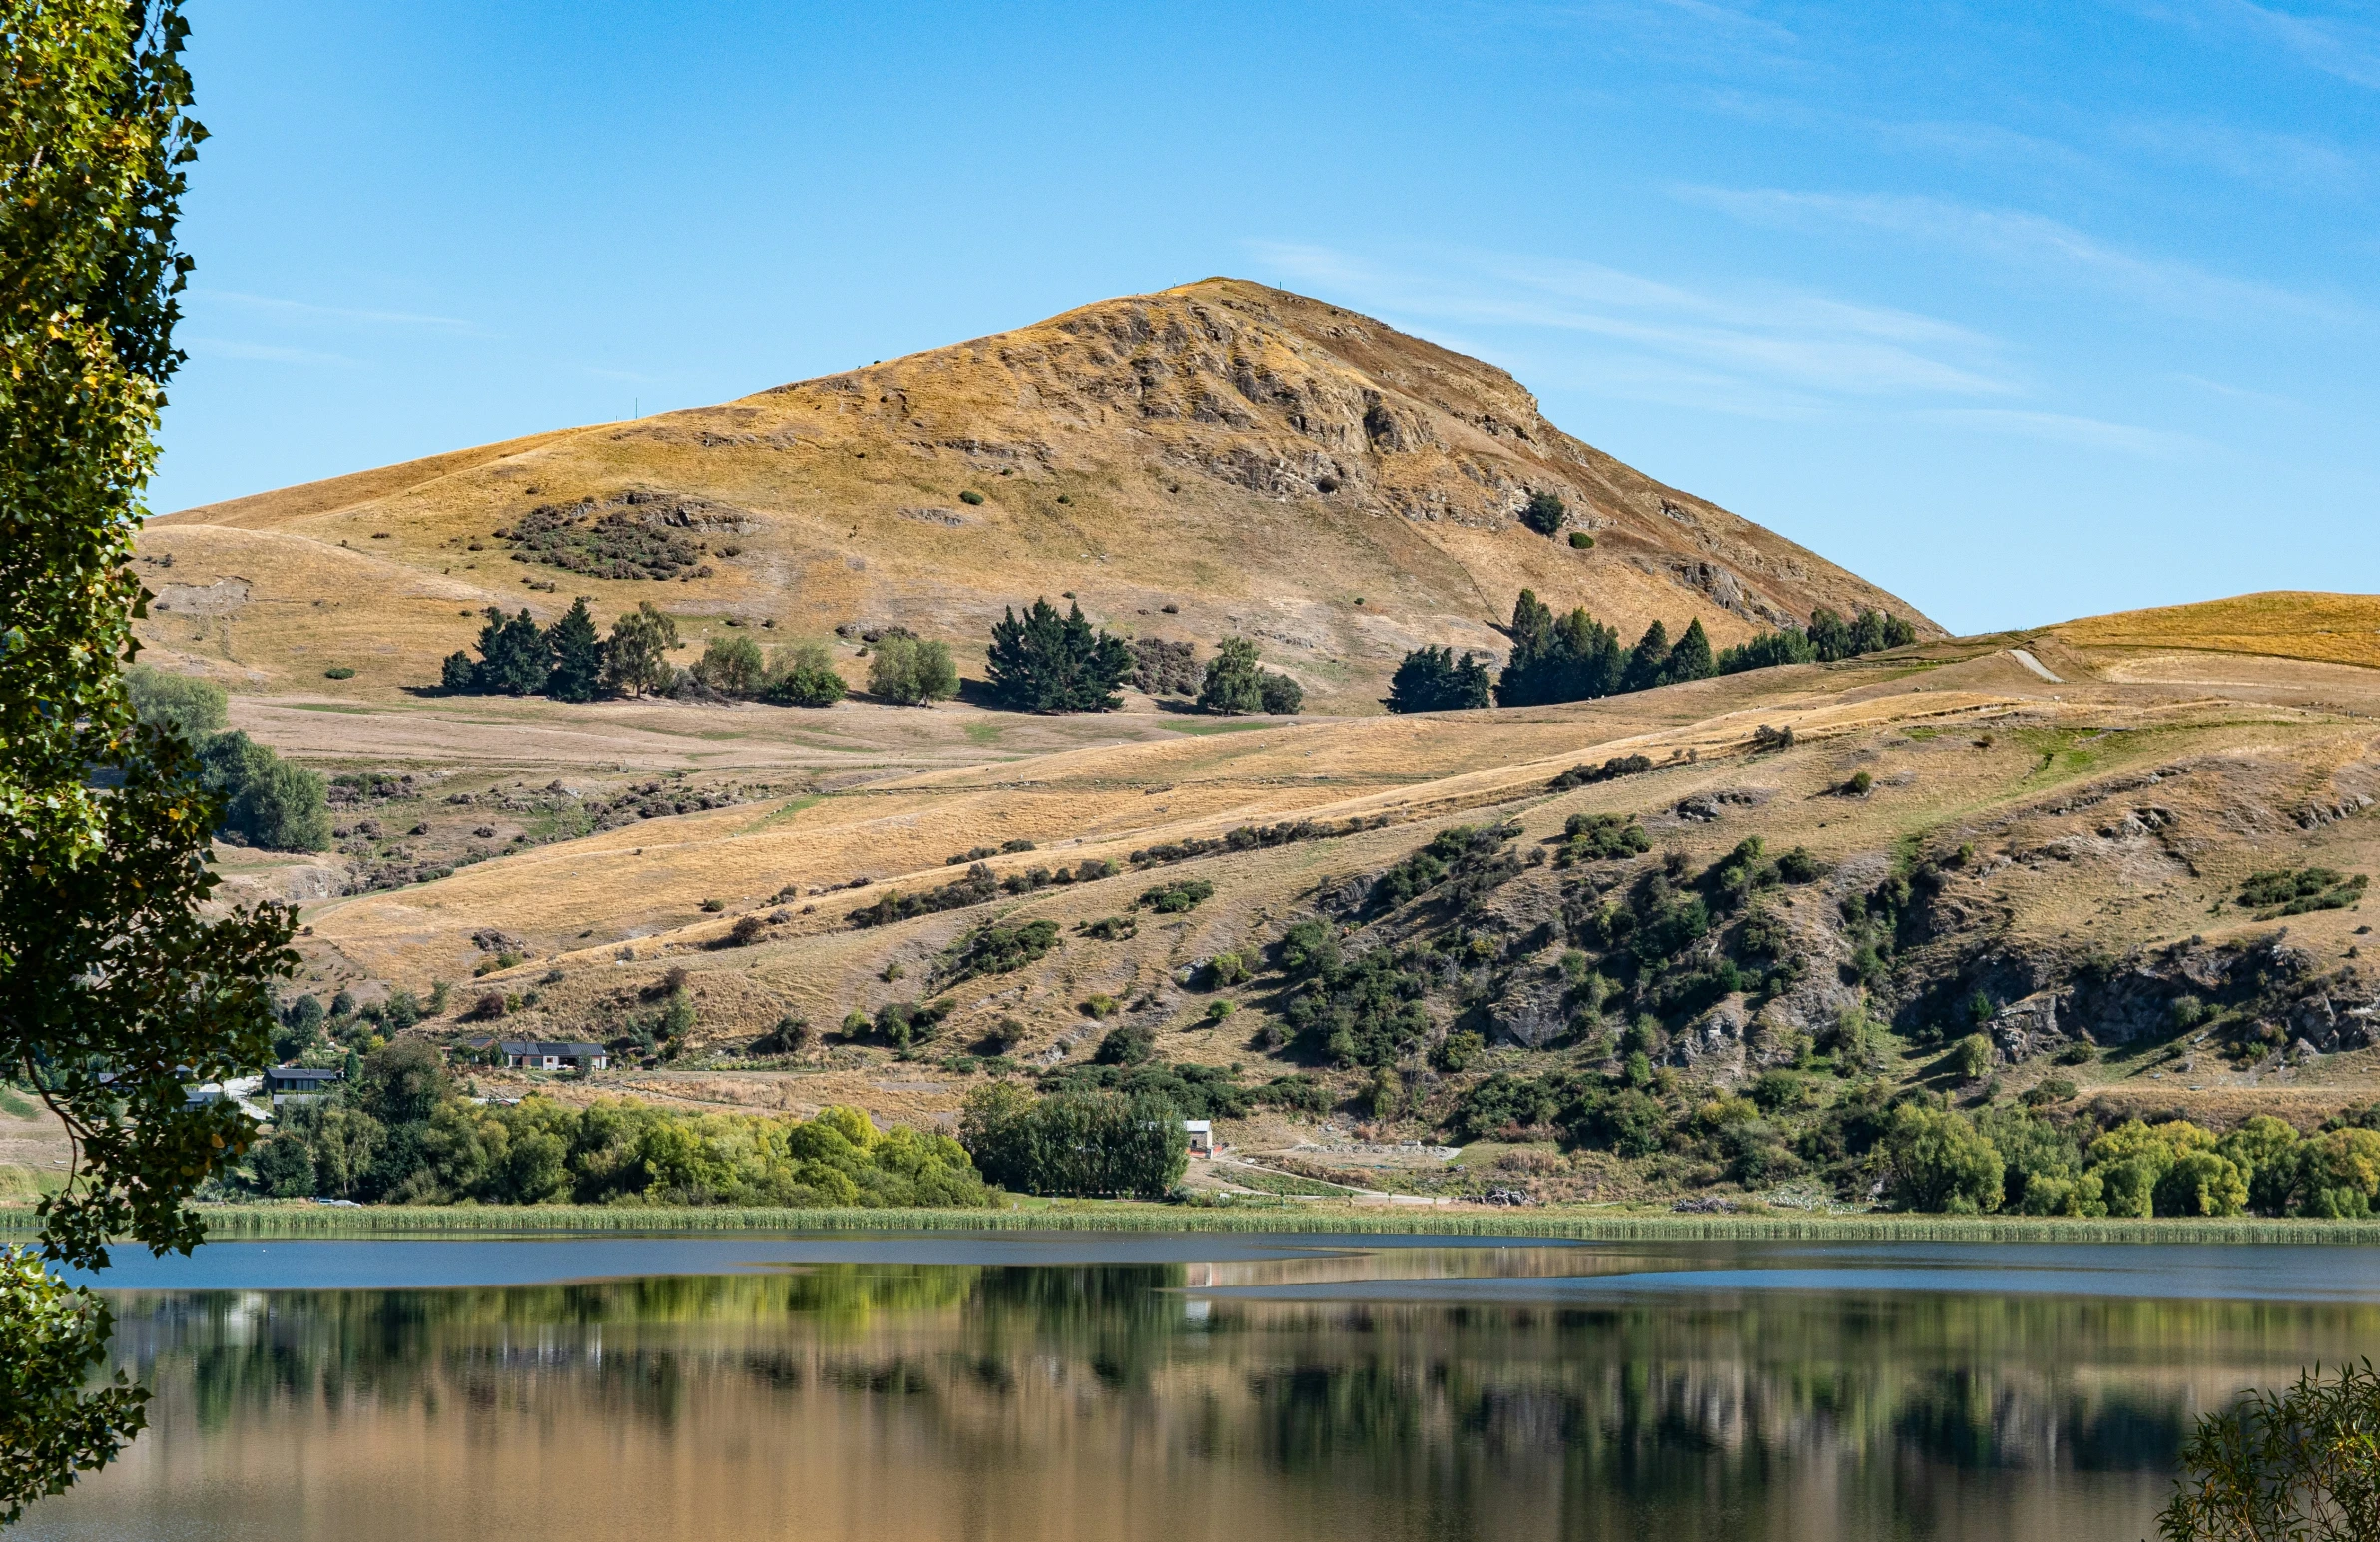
[333, 1223]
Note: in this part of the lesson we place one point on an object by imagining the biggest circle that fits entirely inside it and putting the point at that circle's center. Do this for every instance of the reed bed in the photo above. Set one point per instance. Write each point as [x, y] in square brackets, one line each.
[311, 1220]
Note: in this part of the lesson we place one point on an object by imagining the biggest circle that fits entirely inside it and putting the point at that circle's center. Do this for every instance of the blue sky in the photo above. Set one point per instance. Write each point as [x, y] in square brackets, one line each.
[2023, 311]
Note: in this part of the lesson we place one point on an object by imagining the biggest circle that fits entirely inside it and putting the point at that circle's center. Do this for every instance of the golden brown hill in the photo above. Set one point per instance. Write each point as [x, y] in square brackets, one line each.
[1213, 459]
[2331, 628]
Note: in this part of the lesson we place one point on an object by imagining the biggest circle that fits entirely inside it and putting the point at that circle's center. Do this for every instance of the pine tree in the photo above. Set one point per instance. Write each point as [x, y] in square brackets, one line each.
[1573, 659]
[1691, 658]
[1431, 680]
[1790, 645]
[1050, 663]
[577, 653]
[1649, 661]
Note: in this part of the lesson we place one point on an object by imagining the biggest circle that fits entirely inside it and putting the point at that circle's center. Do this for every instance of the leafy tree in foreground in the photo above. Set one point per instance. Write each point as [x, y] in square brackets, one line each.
[1434, 680]
[2302, 1464]
[1048, 663]
[115, 989]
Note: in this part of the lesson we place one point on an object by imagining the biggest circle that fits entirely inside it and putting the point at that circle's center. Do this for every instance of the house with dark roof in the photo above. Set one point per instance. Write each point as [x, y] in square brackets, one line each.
[536, 1055]
[300, 1084]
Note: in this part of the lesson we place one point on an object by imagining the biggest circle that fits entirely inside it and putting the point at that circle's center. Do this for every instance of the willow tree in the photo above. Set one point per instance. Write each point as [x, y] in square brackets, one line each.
[119, 984]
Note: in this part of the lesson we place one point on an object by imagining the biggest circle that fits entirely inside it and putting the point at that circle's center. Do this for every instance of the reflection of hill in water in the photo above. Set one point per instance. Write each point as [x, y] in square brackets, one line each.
[1093, 1402]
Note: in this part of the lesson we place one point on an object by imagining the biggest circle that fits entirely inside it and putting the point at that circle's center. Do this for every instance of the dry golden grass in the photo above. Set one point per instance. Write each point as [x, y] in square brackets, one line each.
[2338, 627]
[1164, 449]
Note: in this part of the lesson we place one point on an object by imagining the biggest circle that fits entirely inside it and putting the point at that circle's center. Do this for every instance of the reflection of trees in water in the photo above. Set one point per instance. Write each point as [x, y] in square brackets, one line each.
[1635, 1410]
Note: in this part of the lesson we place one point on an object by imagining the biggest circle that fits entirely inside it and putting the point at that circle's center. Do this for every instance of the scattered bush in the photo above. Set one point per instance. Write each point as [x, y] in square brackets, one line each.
[1581, 541]
[1179, 897]
[999, 948]
[912, 670]
[2300, 891]
[1543, 513]
[971, 498]
[338, 672]
[1163, 668]
[803, 674]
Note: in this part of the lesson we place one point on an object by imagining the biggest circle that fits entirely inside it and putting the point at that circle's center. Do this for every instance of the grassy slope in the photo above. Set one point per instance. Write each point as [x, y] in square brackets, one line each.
[2042, 800]
[2336, 628]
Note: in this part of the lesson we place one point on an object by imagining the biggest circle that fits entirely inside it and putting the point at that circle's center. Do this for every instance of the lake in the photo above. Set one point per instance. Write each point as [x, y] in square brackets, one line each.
[1235, 1387]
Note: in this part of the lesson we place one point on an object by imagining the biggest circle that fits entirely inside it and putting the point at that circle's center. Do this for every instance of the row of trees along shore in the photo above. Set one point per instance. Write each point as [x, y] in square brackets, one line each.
[1575, 658]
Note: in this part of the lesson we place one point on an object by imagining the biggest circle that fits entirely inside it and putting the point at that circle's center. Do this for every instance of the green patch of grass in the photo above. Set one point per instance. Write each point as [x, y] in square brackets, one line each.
[985, 733]
[329, 707]
[15, 1104]
[1199, 726]
[793, 805]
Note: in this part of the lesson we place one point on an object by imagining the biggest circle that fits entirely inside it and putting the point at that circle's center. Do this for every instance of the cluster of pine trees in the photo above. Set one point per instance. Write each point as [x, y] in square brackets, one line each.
[1046, 661]
[571, 662]
[1575, 658]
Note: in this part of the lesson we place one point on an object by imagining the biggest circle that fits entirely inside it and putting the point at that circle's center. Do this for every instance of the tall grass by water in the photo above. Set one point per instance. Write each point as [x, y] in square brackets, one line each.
[314, 1221]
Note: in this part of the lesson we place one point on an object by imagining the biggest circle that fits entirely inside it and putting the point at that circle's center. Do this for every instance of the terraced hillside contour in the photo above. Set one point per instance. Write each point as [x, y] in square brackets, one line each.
[1218, 458]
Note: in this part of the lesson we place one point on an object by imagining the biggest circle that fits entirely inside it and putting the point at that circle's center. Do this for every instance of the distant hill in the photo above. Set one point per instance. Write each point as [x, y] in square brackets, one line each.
[1212, 459]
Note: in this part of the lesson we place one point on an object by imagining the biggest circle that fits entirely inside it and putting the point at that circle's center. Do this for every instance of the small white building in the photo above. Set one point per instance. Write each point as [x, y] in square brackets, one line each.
[1202, 1136]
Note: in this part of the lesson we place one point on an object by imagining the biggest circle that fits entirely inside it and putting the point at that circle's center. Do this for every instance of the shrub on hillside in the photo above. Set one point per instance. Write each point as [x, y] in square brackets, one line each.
[1543, 513]
[1234, 684]
[732, 665]
[1162, 668]
[267, 802]
[803, 674]
[912, 670]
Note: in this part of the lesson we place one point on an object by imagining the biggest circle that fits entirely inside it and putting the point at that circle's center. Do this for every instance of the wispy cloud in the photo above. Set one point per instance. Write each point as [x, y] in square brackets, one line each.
[263, 352]
[2253, 156]
[2020, 239]
[2061, 428]
[2349, 50]
[302, 312]
[1787, 350]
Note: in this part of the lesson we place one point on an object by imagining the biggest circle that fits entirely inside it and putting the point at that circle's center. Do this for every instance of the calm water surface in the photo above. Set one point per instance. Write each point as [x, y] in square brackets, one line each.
[1238, 1388]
